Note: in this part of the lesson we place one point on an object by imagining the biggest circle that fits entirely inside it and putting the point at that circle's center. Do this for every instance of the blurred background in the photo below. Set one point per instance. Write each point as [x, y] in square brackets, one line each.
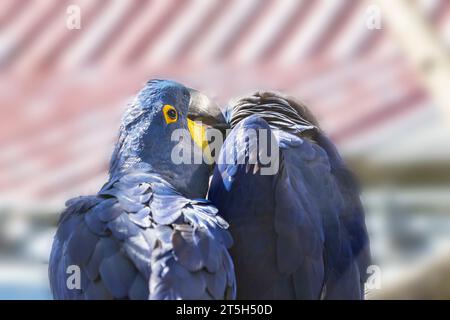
[375, 73]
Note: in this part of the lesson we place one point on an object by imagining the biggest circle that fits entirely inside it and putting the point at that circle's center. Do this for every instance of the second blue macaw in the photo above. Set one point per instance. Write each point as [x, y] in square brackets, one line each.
[298, 227]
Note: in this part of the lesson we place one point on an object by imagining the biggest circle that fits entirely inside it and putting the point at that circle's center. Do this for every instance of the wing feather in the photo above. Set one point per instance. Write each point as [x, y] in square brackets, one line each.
[141, 239]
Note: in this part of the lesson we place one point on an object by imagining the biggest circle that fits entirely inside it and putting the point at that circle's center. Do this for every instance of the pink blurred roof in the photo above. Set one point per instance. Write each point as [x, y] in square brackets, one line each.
[63, 91]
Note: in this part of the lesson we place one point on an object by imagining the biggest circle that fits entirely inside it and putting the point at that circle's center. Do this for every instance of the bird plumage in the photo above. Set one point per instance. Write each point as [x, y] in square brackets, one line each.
[148, 233]
[299, 233]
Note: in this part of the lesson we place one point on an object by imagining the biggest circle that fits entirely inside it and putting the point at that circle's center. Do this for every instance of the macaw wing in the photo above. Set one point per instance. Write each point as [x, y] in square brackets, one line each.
[352, 218]
[131, 243]
[286, 225]
[278, 247]
[103, 248]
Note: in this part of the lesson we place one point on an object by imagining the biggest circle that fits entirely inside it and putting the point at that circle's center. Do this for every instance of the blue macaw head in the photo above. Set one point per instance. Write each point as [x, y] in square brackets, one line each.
[151, 133]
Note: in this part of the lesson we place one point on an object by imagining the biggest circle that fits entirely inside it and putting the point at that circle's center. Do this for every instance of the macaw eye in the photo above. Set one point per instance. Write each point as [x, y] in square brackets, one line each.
[170, 114]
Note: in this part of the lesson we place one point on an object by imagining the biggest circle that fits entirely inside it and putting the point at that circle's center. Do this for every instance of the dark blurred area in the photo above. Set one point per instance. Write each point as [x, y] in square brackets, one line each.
[375, 73]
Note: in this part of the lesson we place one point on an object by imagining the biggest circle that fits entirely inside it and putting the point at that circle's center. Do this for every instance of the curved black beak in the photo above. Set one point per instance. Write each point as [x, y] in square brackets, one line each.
[202, 108]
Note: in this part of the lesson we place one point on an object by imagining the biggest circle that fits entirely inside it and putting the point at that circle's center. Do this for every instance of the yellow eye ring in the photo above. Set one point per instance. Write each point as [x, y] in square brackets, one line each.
[170, 114]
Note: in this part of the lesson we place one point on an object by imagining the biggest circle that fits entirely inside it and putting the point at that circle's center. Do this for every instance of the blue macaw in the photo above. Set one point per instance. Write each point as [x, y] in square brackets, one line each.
[148, 233]
[298, 228]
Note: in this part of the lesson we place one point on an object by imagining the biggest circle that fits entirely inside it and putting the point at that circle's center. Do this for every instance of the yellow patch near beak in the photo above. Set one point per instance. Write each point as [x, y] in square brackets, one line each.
[198, 134]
